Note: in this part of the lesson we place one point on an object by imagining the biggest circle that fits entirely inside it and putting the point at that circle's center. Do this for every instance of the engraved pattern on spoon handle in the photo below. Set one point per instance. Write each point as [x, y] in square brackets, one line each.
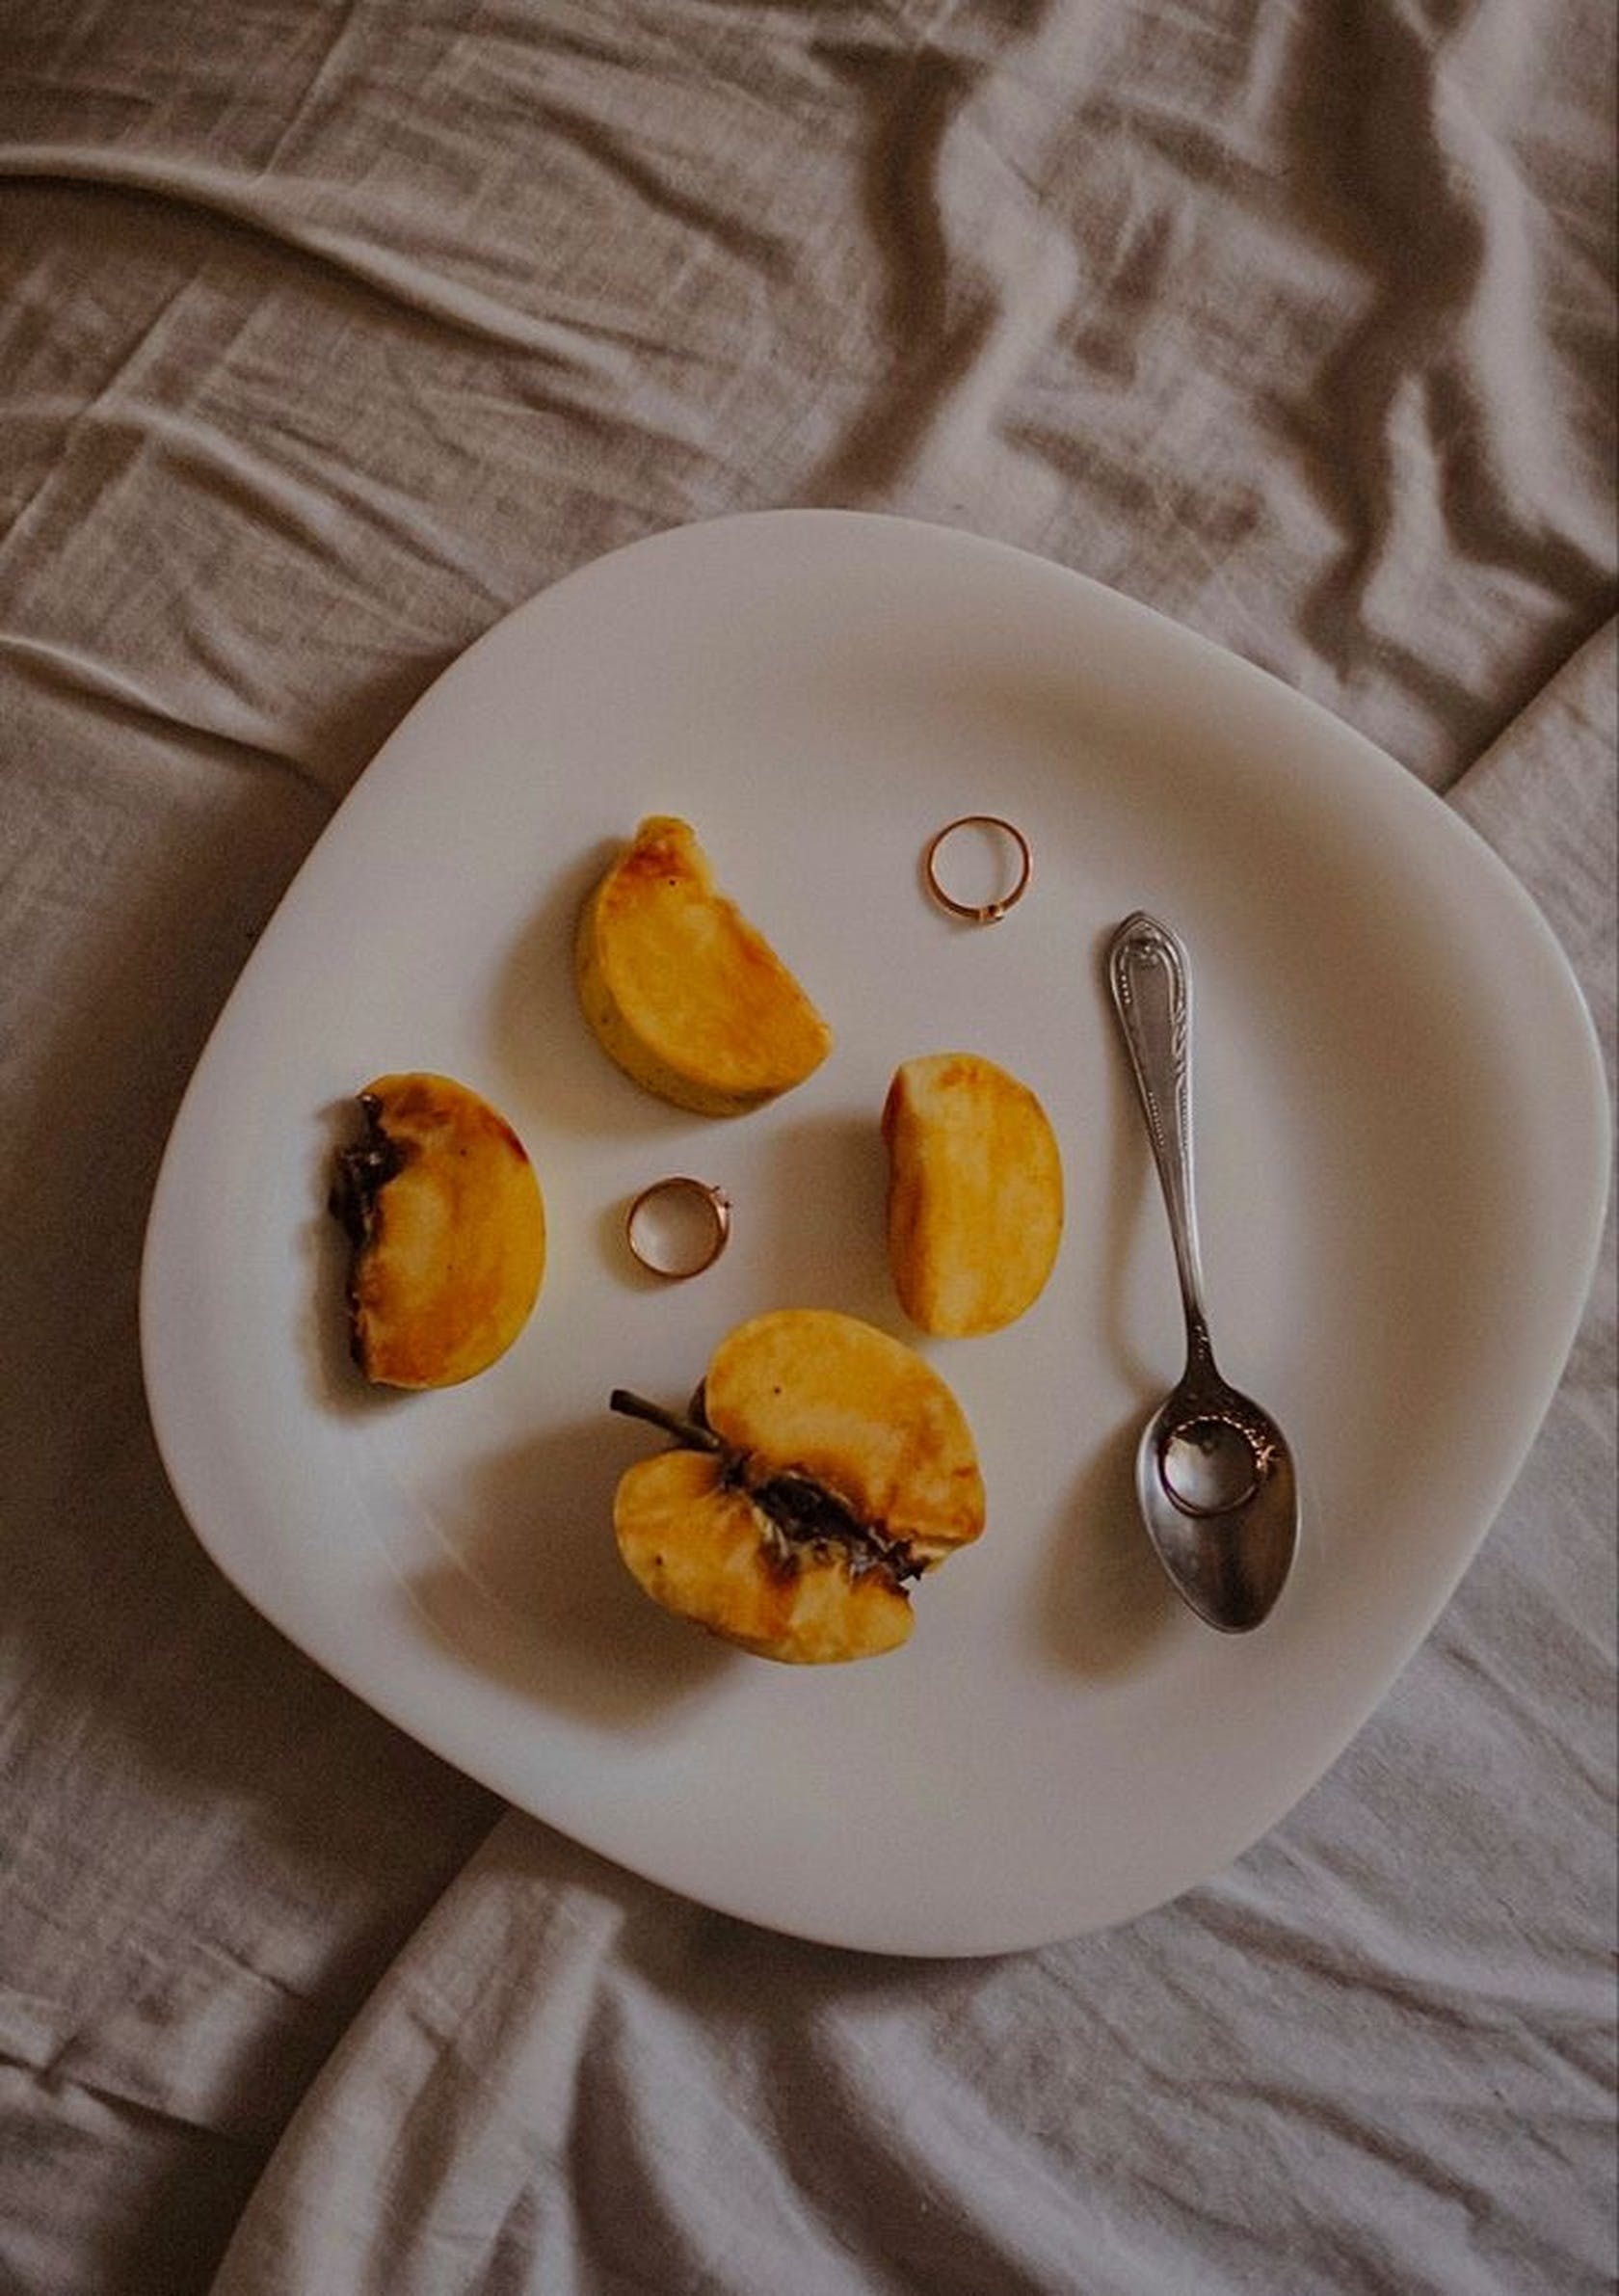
[1150, 982]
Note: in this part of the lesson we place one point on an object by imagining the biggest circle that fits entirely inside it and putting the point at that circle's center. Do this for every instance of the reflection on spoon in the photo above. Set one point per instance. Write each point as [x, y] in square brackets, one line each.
[1215, 1477]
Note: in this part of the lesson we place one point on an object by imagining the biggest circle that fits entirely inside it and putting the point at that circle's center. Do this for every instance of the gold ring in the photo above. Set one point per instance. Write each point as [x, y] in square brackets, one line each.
[677, 1227]
[982, 912]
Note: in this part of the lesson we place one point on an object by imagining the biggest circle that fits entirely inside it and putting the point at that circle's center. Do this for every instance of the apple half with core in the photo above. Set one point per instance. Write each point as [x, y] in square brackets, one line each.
[681, 991]
[446, 1228]
[975, 1193]
[822, 1466]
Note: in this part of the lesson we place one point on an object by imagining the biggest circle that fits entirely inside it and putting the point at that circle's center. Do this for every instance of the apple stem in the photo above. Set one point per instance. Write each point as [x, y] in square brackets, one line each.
[689, 1431]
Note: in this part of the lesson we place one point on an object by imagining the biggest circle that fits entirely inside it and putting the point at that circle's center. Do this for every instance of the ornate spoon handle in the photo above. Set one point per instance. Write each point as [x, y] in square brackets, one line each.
[1150, 980]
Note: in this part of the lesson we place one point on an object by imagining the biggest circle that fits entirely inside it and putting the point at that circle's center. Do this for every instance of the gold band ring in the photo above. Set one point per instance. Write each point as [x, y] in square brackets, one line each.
[980, 912]
[679, 1226]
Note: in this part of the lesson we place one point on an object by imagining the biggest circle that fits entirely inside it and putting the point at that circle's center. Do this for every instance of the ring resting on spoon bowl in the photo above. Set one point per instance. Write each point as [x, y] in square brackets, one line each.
[1210, 1463]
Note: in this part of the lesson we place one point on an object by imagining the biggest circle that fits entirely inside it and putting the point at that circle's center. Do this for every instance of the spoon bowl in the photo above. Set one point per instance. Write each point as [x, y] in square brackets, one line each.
[1214, 1475]
[1215, 1484]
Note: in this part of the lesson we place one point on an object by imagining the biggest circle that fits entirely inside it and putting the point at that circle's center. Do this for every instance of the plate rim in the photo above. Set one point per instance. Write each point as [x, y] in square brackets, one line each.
[1393, 777]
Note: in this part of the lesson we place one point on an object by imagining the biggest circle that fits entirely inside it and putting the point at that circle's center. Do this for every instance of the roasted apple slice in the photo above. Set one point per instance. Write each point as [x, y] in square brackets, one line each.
[822, 1466]
[448, 1231]
[681, 991]
[975, 1193]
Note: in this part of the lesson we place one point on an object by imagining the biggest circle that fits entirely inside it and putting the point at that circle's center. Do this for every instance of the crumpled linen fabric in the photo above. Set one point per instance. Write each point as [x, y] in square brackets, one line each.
[328, 335]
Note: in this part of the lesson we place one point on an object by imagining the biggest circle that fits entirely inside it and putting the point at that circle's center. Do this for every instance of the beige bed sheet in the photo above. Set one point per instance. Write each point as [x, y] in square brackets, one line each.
[330, 332]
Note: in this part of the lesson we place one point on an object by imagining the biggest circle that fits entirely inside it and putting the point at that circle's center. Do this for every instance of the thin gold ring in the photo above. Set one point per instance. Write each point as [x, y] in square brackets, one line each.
[982, 912]
[679, 1189]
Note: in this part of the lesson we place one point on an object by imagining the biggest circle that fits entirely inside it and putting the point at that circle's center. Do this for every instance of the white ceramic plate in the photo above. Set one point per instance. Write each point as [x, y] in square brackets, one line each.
[1402, 1140]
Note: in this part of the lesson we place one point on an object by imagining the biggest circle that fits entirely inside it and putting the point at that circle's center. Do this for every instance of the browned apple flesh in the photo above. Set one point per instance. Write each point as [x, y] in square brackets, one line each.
[446, 1226]
[681, 991]
[827, 1466]
[975, 1193]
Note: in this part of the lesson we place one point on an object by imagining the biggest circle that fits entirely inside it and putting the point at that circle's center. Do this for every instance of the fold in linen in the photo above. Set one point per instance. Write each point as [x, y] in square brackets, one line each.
[1297, 327]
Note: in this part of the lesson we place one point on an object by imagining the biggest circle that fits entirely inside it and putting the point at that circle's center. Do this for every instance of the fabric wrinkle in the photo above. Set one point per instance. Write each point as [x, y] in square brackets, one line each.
[407, 281]
[332, 336]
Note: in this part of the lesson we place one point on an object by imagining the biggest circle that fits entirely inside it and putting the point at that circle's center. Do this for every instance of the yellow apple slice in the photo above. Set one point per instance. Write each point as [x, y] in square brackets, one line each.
[694, 1542]
[825, 1465]
[681, 991]
[975, 1193]
[448, 1231]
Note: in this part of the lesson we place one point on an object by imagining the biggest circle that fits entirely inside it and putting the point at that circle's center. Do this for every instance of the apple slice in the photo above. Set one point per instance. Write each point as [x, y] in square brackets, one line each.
[975, 1193]
[681, 991]
[448, 1231]
[823, 1465]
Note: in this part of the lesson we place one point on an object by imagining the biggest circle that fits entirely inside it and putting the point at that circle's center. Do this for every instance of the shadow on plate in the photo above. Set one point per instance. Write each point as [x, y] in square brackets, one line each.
[544, 1050]
[1131, 1200]
[1103, 1600]
[817, 1235]
[532, 1592]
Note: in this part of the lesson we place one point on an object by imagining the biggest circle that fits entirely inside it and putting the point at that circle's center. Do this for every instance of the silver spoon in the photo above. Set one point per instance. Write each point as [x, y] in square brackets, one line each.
[1215, 1477]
